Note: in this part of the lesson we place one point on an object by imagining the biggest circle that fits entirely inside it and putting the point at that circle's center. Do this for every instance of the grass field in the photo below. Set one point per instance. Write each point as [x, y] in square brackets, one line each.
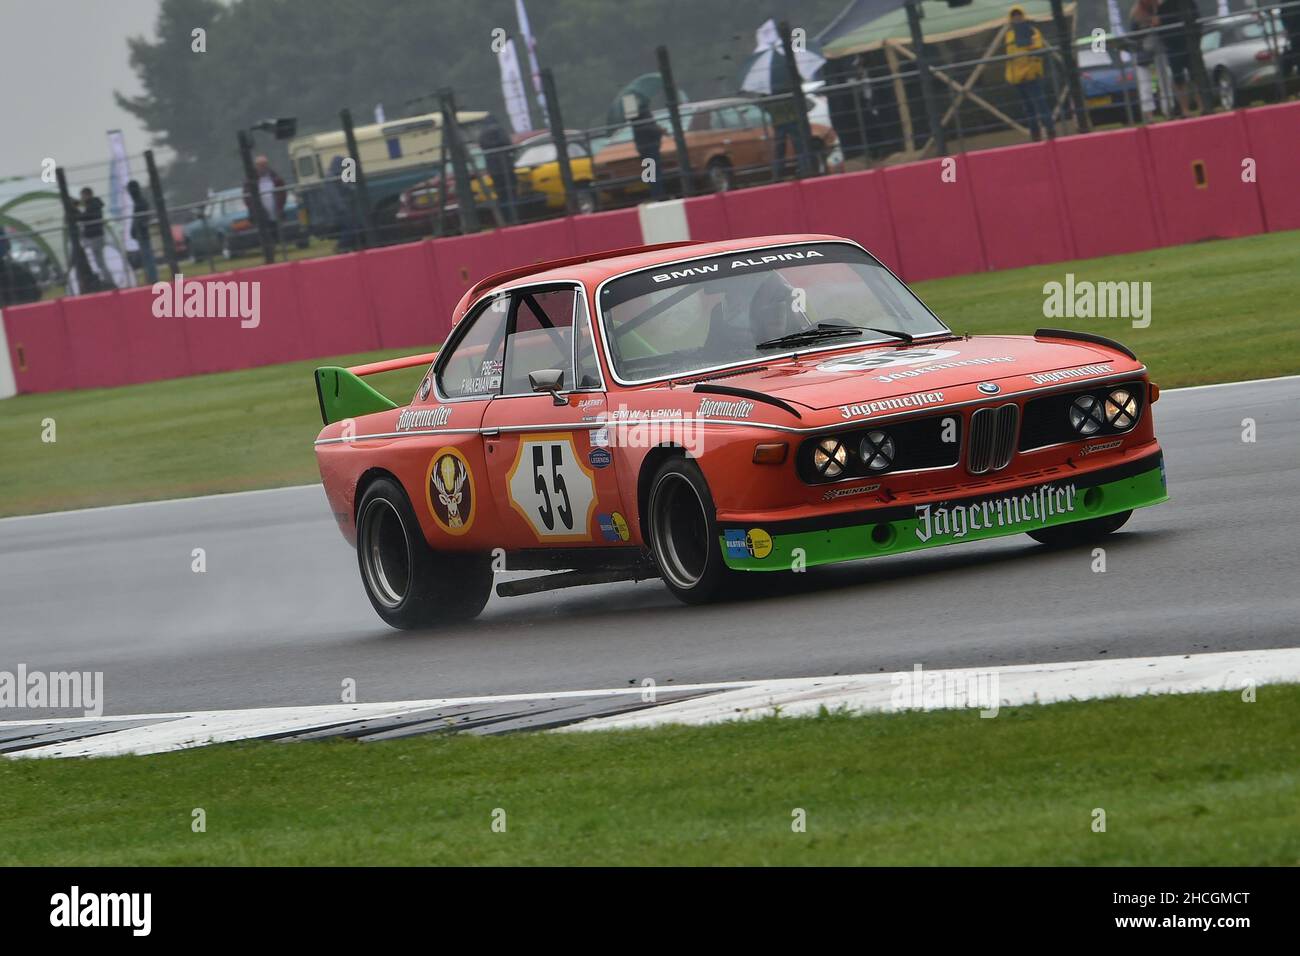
[1183, 780]
[1222, 311]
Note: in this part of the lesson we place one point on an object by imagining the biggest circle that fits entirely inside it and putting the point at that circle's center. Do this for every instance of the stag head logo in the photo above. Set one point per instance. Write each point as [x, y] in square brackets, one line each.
[451, 492]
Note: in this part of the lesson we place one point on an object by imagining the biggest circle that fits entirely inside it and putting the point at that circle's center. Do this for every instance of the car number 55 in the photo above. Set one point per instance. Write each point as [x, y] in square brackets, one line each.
[551, 490]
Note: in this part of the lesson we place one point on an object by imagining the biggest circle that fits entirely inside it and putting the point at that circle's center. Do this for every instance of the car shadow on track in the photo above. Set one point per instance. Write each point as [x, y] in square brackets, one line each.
[590, 608]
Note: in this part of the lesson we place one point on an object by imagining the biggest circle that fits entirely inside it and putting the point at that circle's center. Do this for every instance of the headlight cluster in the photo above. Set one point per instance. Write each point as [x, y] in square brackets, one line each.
[876, 451]
[1119, 410]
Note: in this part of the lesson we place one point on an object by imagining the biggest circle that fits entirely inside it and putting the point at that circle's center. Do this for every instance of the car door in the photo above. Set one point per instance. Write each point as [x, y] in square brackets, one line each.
[553, 473]
[447, 476]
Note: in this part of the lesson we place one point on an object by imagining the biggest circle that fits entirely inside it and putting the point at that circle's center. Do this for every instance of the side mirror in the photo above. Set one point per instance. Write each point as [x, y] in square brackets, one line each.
[548, 380]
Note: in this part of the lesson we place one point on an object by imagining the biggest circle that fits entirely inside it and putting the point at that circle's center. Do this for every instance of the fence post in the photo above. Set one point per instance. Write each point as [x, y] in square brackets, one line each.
[927, 81]
[160, 207]
[250, 183]
[1065, 43]
[362, 194]
[465, 203]
[78, 254]
[558, 138]
[675, 120]
[1192, 34]
[797, 100]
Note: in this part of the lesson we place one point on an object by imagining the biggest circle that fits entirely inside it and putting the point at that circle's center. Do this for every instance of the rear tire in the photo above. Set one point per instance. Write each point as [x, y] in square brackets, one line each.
[683, 534]
[410, 585]
[1080, 532]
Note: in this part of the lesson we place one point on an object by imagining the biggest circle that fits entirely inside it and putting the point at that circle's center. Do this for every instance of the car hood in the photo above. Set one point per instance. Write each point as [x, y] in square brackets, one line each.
[956, 368]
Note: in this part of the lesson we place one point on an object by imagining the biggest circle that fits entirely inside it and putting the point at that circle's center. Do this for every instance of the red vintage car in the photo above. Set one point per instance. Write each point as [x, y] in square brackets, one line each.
[702, 412]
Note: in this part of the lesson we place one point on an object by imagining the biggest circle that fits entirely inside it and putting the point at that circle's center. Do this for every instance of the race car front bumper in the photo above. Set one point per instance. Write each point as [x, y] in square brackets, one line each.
[869, 533]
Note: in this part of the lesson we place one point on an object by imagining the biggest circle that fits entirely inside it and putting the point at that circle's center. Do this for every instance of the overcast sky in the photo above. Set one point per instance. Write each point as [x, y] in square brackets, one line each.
[61, 61]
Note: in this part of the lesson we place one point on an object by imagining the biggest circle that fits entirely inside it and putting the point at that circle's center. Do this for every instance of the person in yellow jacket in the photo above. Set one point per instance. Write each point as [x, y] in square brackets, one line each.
[1026, 47]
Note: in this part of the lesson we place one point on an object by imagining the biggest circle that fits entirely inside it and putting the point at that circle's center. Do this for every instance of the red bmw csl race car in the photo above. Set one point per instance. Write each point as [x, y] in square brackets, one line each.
[703, 411]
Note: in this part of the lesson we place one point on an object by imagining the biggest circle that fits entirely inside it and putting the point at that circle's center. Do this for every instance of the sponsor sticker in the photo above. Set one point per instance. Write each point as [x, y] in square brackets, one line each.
[867, 409]
[600, 458]
[425, 385]
[717, 409]
[600, 437]
[1100, 446]
[424, 417]
[836, 493]
[1030, 508]
[871, 361]
[1083, 371]
[449, 491]
[754, 543]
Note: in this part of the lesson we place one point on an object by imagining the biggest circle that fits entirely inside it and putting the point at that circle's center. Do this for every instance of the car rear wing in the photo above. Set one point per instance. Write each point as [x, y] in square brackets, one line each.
[342, 394]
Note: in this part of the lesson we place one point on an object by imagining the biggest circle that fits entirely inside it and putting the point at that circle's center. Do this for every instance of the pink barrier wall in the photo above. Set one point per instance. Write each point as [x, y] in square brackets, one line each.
[1020, 207]
[1107, 197]
[1274, 136]
[38, 346]
[934, 221]
[1077, 197]
[1197, 167]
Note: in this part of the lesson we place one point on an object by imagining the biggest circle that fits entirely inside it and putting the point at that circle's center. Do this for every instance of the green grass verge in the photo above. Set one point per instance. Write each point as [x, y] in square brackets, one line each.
[1183, 780]
[1222, 311]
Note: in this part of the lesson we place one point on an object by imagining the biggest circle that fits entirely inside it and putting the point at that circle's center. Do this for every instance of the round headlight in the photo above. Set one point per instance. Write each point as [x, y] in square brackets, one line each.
[829, 457]
[1121, 409]
[1085, 415]
[877, 450]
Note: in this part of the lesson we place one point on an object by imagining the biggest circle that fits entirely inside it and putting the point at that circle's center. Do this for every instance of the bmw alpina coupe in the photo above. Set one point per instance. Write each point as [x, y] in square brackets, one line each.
[704, 411]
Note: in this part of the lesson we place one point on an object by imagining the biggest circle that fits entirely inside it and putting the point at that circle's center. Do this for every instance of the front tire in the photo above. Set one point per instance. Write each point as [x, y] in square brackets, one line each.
[1080, 532]
[410, 585]
[683, 534]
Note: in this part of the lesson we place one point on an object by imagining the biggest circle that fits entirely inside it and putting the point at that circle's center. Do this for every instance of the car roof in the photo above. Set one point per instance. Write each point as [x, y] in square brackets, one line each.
[594, 268]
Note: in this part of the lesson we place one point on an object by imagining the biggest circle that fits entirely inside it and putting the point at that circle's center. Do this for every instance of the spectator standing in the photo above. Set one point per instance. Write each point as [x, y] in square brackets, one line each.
[91, 218]
[140, 230]
[1144, 16]
[501, 167]
[1024, 71]
[784, 117]
[648, 136]
[339, 201]
[1291, 27]
[268, 189]
[1174, 41]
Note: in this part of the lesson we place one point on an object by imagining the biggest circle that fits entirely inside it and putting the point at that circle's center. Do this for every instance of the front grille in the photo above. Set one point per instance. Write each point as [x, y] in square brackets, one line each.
[992, 439]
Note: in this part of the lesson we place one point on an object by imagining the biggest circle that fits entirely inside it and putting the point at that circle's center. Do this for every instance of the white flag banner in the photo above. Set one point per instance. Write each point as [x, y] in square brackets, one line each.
[1117, 26]
[119, 200]
[531, 44]
[512, 88]
[379, 113]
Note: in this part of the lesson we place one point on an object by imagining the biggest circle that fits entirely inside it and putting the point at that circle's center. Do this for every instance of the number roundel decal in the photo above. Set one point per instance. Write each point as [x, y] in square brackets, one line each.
[551, 489]
[449, 491]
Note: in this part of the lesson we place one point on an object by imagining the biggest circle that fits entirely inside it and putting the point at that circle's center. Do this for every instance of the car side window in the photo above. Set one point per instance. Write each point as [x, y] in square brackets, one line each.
[473, 367]
[540, 337]
[1211, 40]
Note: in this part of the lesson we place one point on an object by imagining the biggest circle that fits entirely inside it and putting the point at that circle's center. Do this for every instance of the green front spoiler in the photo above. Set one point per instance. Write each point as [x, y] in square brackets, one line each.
[783, 546]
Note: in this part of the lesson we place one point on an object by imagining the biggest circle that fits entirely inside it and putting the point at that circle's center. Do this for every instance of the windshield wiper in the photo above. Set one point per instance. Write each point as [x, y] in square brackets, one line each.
[824, 330]
[901, 336]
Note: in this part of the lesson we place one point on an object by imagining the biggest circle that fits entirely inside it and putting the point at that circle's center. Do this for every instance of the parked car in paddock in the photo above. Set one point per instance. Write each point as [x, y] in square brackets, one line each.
[704, 412]
[1241, 57]
[1109, 84]
[728, 141]
[224, 227]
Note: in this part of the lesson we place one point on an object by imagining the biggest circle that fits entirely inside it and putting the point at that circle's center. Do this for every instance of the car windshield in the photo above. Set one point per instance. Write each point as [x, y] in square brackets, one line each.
[688, 317]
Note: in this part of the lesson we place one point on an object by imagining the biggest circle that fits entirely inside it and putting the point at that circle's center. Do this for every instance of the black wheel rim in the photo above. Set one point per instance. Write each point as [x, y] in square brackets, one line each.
[681, 531]
[385, 553]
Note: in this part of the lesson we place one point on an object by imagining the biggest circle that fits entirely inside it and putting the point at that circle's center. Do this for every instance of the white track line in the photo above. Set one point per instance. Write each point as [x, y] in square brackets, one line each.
[1014, 685]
